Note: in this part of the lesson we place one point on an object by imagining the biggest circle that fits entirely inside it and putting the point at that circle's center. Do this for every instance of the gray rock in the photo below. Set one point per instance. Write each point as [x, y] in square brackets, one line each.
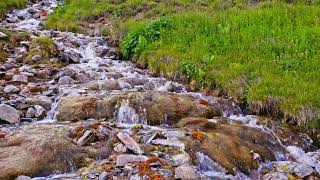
[9, 114]
[39, 111]
[103, 175]
[181, 159]
[124, 159]
[72, 56]
[130, 143]
[11, 89]
[120, 148]
[135, 177]
[31, 112]
[66, 80]
[32, 10]
[86, 138]
[23, 14]
[41, 100]
[3, 35]
[303, 170]
[22, 177]
[36, 58]
[40, 150]
[20, 78]
[186, 172]
[275, 175]
[166, 142]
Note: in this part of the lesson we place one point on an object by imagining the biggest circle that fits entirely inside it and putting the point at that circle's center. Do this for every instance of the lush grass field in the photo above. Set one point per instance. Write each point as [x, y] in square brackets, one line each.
[7, 4]
[264, 55]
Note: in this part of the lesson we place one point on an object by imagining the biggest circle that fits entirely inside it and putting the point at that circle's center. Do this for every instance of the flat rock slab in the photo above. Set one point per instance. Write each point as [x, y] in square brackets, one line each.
[130, 142]
[165, 142]
[124, 159]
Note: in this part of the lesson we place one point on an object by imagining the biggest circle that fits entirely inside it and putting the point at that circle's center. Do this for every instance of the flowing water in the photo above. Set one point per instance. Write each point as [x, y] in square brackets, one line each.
[100, 68]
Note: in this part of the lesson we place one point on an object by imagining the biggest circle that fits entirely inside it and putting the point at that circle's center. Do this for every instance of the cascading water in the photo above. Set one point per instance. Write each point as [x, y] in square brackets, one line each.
[128, 115]
[92, 63]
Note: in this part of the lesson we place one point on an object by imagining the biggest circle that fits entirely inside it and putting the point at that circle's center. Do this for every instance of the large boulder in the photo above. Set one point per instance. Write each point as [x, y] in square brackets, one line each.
[151, 105]
[9, 114]
[38, 150]
[231, 145]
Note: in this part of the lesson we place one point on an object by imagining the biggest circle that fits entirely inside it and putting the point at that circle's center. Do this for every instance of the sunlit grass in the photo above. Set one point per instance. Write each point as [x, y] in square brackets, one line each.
[266, 55]
[5, 5]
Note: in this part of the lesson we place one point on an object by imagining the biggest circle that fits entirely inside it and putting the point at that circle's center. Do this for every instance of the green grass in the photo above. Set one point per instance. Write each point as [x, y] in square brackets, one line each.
[44, 47]
[5, 5]
[265, 55]
[268, 57]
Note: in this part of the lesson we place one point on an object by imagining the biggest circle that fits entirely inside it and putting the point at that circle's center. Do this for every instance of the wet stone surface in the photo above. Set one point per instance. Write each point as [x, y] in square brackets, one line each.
[83, 113]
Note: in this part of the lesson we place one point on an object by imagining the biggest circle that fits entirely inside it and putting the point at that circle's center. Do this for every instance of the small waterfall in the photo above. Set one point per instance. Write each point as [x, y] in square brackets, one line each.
[209, 168]
[51, 115]
[127, 114]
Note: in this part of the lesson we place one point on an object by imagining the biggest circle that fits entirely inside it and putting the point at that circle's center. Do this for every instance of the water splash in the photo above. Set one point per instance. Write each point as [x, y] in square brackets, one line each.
[209, 168]
[127, 114]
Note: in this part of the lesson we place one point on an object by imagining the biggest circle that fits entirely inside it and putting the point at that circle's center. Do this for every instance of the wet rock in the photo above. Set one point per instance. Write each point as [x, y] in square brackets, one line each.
[39, 111]
[231, 145]
[31, 112]
[38, 150]
[86, 138]
[124, 159]
[66, 80]
[104, 85]
[134, 81]
[307, 159]
[156, 106]
[186, 172]
[23, 14]
[23, 178]
[303, 170]
[71, 56]
[103, 176]
[32, 10]
[20, 78]
[9, 114]
[11, 89]
[41, 100]
[129, 142]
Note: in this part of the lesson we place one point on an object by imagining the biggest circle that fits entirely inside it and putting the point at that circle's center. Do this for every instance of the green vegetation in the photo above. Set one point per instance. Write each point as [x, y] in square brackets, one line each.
[265, 55]
[5, 5]
[44, 47]
[12, 39]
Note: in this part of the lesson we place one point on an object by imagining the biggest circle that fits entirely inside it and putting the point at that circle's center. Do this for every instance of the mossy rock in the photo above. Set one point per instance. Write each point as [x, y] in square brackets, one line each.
[232, 145]
[39, 150]
[45, 48]
[157, 105]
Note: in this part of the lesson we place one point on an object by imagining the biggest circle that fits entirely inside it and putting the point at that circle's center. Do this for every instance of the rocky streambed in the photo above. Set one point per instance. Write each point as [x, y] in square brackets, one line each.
[72, 109]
